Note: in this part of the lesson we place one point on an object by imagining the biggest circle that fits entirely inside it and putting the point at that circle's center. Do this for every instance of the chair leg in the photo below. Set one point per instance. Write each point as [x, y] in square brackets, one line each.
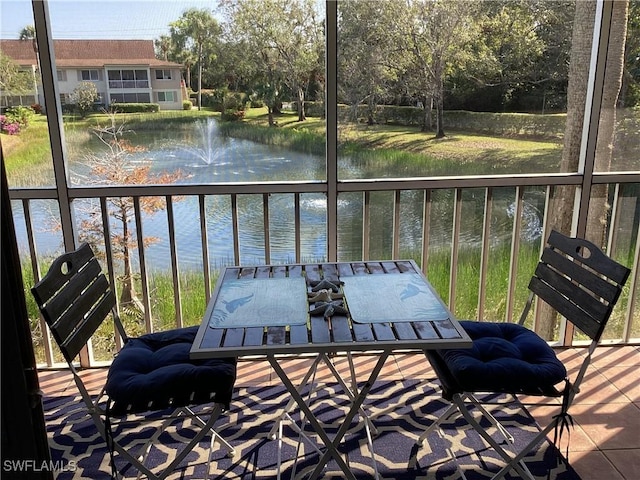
[512, 463]
[450, 411]
[539, 438]
[144, 451]
[491, 418]
[138, 462]
[215, 436]
[215, 413]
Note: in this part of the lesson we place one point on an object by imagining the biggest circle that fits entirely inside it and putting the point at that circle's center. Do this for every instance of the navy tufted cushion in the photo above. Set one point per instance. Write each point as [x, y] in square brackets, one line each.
[154, 371]
[505, 357]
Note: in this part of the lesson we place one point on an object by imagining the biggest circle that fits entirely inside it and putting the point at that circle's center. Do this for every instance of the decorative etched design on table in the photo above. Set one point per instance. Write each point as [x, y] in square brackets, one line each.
[391, 297]
[260, 302]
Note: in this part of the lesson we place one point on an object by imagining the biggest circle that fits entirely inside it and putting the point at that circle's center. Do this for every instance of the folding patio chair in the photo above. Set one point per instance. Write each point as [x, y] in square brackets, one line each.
[152, 374]
[582, 284]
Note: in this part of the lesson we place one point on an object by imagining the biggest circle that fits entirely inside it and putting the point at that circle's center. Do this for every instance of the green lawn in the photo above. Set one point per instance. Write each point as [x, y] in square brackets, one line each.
[399, 146]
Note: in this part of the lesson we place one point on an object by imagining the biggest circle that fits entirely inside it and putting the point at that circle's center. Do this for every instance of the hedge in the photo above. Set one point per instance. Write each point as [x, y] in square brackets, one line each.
[134, 107]
[509, 124]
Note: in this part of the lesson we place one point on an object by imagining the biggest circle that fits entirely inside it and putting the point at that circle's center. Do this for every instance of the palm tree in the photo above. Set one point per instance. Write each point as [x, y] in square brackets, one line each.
[29, 33]
[192, 32]
[163, 47]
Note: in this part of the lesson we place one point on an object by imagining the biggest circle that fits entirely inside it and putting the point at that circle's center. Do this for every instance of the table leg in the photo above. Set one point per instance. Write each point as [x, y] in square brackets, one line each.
[332, 451]
[355, 406]
[370, 429]
[351, 392]
[291, 403]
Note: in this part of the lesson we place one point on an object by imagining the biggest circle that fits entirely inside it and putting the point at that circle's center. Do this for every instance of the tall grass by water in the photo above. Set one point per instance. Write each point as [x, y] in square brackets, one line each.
[193, 304]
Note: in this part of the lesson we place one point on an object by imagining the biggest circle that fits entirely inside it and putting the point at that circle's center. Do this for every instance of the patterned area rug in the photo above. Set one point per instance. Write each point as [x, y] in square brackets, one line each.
[400, 410]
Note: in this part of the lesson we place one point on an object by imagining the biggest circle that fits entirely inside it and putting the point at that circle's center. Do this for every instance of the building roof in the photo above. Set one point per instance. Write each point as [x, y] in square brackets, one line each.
[89, 53]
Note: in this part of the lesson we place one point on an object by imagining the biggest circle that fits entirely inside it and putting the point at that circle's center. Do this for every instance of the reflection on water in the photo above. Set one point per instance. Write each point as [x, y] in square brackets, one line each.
[204, 157]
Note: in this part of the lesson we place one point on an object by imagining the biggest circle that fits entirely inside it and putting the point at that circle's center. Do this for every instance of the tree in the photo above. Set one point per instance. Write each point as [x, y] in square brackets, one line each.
[163, 46]
[562, 201]
[233, 68]
[599, 207]
[13, 81]
[509, 49]
[115, 166]
[630, 91]
[28, 33]
[196, 32]
[365, 53]
[84, 97]
[436, 35]
[284, 34]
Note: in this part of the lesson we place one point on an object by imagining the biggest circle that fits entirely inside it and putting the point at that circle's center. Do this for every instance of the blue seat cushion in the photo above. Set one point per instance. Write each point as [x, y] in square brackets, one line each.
[154, 372]
[505, 357]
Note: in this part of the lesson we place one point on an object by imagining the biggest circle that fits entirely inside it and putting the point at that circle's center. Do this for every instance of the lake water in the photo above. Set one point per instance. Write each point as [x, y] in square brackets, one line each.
[204, 157]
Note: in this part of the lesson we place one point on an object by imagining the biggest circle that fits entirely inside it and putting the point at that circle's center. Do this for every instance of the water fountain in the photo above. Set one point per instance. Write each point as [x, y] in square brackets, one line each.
[209, 148]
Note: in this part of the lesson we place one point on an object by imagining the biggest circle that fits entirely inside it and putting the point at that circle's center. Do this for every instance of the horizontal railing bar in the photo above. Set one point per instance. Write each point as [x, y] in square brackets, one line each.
[197, 189]
[460, 182]
[321, 186]
[616, 177]
[169, 189]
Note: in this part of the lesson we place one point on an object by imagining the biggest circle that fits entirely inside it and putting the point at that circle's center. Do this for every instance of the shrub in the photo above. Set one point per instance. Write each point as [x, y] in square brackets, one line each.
[232, 115]
[8, 126]
[21, 115]
[84, 96]
[37, 108]
[209, 100]
[134, 107]
[234, 100]
[187, 105]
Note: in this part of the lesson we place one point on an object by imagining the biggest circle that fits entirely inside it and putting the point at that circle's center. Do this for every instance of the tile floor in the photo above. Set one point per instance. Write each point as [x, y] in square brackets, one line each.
[605, 443]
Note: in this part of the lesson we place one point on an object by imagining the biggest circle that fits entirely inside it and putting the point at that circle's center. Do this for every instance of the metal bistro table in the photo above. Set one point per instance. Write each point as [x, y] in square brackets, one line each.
[264, 310]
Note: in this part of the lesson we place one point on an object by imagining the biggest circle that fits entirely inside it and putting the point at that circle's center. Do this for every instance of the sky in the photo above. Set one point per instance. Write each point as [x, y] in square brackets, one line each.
[105, 19]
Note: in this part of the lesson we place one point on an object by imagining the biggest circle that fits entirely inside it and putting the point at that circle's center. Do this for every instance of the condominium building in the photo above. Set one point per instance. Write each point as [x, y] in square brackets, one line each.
[124, 71]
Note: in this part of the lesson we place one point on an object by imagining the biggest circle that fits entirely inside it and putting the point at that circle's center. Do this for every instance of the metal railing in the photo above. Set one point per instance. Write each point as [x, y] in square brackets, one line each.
[128, 84]
[622, 237]
[333, 189]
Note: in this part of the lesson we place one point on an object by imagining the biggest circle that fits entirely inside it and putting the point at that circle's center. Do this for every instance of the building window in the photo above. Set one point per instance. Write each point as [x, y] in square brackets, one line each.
[128, 79]
[166, 96]
[132, 97]
[90, 75]
[162, 74]
[62, 75]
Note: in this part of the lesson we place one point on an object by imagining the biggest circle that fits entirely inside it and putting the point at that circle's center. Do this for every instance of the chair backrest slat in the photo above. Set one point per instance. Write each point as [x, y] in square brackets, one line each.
[74, 294]
[79, 307]
[62, 268]
[566, 308]
[74, 298]
[596, 259]
[592, 306]
[587, 278]
[72, 345]
[578, 280]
